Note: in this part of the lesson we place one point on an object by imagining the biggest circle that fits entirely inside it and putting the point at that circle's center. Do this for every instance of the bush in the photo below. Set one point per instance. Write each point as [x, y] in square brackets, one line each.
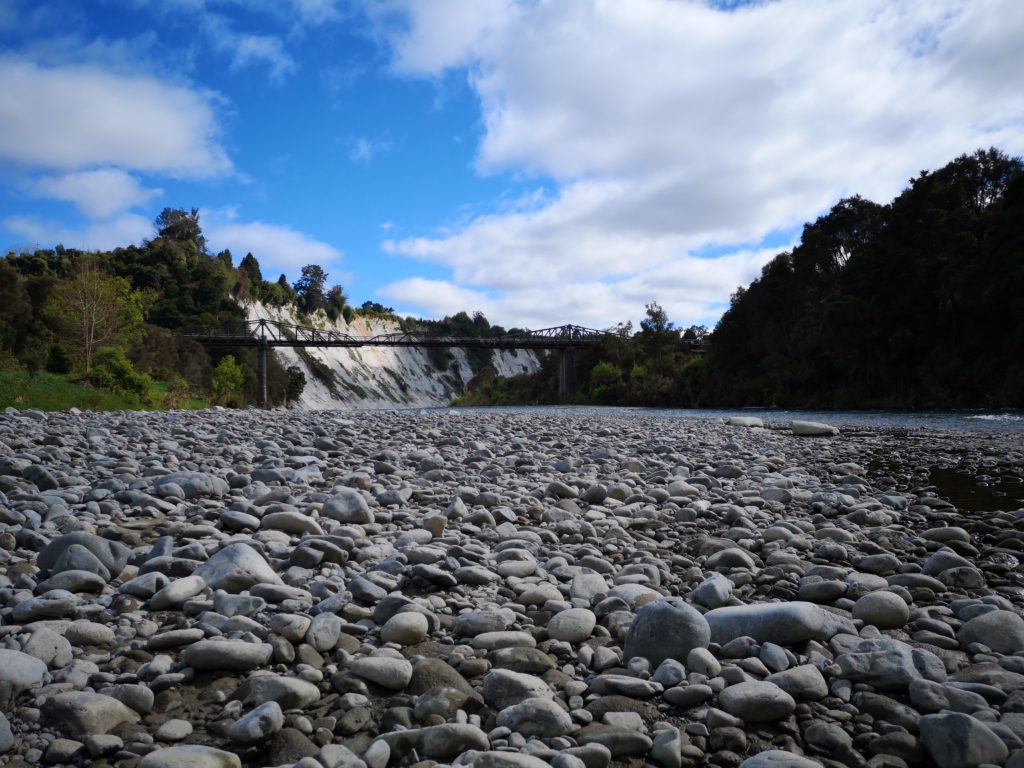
[112, 369]
[228, 381]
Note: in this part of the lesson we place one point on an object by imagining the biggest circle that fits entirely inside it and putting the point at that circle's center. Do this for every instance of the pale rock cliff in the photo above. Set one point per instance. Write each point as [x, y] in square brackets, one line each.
[380, 377]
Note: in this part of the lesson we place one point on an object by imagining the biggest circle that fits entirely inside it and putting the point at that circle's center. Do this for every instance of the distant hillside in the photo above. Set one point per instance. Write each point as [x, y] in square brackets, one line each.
[105, 320]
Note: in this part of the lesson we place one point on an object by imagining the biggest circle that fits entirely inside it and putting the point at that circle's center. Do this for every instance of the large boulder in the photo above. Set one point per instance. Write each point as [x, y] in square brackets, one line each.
[112, 555]
[813, 429]
[235, 568]
[78, 714]
[196, 485]
[956, 740]
[889, 665]
[1002, 631]
[779, 623]
[666, 628]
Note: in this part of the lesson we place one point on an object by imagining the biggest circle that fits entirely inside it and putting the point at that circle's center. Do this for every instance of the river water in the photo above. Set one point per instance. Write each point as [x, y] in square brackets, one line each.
[971, 421]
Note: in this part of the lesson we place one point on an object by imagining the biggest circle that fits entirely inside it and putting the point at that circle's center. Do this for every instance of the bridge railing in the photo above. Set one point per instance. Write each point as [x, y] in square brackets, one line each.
[277, 333]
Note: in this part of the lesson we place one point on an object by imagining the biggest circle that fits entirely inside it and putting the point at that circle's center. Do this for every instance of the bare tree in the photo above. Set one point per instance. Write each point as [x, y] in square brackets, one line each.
[88, 307]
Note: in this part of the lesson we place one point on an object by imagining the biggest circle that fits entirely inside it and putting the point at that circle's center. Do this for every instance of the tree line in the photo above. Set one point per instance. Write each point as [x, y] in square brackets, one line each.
[918, 303]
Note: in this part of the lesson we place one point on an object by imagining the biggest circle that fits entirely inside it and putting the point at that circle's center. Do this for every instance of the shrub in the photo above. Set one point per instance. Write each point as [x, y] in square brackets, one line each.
[111, 368]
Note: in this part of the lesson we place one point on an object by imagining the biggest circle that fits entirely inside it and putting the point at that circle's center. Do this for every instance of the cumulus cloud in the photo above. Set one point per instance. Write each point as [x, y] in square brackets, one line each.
[74, 117]
[670, 126]
[111, 233]
[99, 194]
[279, 249]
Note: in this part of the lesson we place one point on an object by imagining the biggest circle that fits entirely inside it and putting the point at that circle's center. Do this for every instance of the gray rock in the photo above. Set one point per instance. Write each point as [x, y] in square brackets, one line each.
[235, 568]
[406, 628]
[196, 485]
[21, 671]
[956, 740]
[777, 758]
[572, 625]
[80, 713]
[113, 555]
[190, 756]
[666, 628]
[6, 735]
[1002, 631]
[714, 591]
[258, 725]
[385, 671]
[803, 683]
[885, 610]
[503, 688]
[813, 429]
[289, 692]
[780, 623]
[889, 665]
[347, 505]
[757, 702]
[536, 717]
[229, 655]
[173, 730]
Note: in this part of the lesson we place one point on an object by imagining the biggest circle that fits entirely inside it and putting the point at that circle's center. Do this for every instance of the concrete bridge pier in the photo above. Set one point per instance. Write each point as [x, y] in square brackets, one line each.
[263, 351]
[566, 373]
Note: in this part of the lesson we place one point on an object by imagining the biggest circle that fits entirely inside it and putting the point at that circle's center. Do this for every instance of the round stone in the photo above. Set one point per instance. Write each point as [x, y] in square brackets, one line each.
[407, 628]
[666, 628]
[757, 702]
[885, 610]
[573, 625]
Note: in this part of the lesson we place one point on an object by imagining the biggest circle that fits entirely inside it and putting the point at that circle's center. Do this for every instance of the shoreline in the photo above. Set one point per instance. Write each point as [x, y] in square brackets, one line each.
[272, 585]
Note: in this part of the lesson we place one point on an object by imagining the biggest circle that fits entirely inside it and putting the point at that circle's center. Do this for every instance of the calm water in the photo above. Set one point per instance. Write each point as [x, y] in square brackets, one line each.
[974, 421]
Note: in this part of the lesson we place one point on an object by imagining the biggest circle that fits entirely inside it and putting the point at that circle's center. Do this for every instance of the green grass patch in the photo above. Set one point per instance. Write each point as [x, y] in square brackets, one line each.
[55, 392]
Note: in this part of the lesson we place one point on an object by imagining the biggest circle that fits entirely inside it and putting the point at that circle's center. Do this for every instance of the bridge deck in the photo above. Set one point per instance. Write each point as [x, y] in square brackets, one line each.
[268, 333]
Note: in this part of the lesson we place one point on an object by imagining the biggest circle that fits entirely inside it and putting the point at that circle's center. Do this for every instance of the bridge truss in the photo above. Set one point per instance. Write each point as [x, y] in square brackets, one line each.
[266, 334]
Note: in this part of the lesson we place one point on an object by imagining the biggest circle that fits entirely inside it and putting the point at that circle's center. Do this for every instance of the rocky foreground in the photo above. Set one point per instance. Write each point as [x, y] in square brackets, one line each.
[184, 590]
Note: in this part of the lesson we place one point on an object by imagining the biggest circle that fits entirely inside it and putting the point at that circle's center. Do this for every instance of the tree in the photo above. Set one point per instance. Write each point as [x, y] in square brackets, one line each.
[228, 381]
[96, 310]
[310, 287]
[182, 226]
[296, 383]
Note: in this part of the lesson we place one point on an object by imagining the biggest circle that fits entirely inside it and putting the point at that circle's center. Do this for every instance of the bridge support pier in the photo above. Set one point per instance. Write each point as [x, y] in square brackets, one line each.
[566, 373]
[262, 351]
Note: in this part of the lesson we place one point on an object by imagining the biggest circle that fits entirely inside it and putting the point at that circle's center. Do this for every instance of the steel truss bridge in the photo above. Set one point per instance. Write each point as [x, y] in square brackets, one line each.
[266, 334]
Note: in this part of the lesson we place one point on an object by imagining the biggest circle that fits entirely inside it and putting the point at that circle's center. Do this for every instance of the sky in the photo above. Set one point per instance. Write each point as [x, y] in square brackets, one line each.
[542, 161]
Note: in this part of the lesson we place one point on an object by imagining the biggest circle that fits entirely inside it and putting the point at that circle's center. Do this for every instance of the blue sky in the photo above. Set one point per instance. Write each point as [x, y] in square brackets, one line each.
[545, 161]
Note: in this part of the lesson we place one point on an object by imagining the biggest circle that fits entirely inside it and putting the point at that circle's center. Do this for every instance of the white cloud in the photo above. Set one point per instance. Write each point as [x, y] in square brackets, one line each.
[668, 126]
[73, 117]
[112, 233]
[362, 149]
[99, 194]
[278, 249]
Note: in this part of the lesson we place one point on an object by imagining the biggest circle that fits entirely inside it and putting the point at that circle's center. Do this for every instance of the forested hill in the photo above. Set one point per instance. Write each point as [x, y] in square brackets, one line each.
[919, 303]
[914, 304]
[76, 325]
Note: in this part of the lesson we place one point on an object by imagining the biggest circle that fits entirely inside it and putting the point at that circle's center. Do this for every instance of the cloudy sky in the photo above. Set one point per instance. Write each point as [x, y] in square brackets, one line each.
[544, 161]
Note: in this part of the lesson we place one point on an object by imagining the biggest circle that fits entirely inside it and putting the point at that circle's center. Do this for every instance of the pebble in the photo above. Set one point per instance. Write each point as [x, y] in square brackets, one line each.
[341, 589]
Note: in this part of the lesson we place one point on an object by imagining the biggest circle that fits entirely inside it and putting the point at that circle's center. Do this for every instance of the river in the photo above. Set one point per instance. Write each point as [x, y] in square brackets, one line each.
[971, 421]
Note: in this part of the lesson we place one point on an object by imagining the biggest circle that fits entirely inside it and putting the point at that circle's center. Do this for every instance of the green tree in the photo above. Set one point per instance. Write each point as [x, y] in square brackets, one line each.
[96, 310]
[229, 382]
[296, 383]
[181, 226]
[310, 287]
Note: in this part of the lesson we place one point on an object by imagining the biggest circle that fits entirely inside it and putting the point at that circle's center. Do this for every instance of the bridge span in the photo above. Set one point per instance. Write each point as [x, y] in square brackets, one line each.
[267, 334]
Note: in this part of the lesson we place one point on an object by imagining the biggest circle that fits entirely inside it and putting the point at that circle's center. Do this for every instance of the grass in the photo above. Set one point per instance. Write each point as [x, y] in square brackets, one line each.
[55, 392]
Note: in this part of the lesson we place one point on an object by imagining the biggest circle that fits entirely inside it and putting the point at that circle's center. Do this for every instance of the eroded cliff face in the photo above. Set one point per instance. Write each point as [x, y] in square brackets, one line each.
[382, 377]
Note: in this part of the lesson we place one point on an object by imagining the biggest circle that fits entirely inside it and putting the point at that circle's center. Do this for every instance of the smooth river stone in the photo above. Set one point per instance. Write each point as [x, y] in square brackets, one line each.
[666, 628]
[228, 655]
[780, 623]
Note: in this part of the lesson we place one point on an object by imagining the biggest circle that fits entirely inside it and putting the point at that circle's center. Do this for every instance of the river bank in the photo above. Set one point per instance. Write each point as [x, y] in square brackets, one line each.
[488, 588]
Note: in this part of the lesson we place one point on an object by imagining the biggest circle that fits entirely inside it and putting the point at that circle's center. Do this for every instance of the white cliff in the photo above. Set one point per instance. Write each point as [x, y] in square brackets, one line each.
[380, 377]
